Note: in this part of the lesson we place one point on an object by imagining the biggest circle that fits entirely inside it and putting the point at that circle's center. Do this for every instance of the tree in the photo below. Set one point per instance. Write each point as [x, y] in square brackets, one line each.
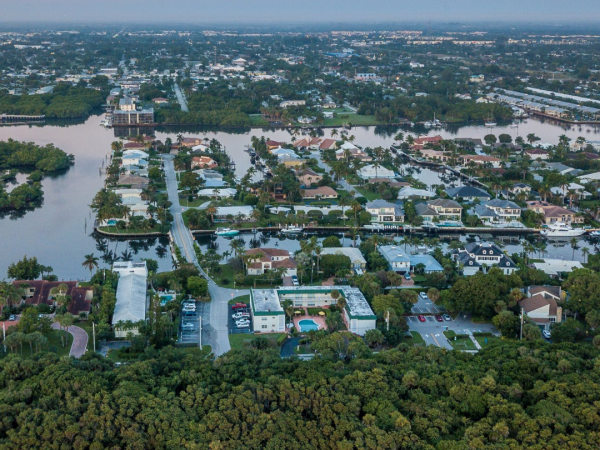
[197, 286]
[331, 241]
[90, 262]
[507, 323]
[25, 269]
[566, 331]
[374, 338]
[433, 294]
[490, 139]
[531, 332]
[583, 286]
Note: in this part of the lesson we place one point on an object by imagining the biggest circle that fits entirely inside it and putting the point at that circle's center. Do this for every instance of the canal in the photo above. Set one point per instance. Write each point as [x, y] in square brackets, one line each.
[59, 233]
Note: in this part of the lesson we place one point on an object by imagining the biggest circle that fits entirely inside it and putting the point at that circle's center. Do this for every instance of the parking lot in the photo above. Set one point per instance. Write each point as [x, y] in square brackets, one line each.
[190, 326]
[233, 329]
[426, 306]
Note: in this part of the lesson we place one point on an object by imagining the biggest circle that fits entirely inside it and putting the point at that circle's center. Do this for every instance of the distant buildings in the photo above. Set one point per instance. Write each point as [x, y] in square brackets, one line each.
[39, 292]
[143, 117]
[553, 213]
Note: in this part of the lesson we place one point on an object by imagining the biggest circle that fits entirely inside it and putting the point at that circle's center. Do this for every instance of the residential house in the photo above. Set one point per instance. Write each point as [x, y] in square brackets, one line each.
[430, 263]
[505, 210]
[134, 157]
[424, 211]
[262, 260]
[483, 160]
[382, 211]
[537, 153]
[225, 213]
[284, 153]
[468, 193]
[160, 101]
[411, 192]
[268, 314]
[397, 260]
[357, 260]
[519, 188]
[273, 144]
[203, 162]
[308, 143]
[425, 141]
[571, 187]
[307, 177]
[352, 153]
[132, 300]
[288, 103]
[541, 305]
[476, 256]
[319, 192]
[38, 292]
[370, 171]
[553, 213]
[434, 155]
[131, 180]
[127, 104]
[328, 144]
[556, 267]
[446, 209]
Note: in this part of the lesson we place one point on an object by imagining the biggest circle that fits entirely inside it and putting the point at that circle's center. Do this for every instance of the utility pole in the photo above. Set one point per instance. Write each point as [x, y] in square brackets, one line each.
[521, 332]
[387, 319]
[94, 335]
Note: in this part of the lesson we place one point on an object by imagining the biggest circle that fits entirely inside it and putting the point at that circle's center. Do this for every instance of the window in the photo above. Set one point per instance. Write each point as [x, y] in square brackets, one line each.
[491, 252]
[264, 326]
[264, 319]
[484, 252]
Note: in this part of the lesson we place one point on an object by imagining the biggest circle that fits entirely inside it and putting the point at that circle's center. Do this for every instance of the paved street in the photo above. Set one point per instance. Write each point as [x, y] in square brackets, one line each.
[80, 339]
[181, 98]
[215, 331]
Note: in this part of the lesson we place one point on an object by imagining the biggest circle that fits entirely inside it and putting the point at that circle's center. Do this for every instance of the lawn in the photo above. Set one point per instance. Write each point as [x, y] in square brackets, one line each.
[369, 195]
[225, 277]
[240, 299]
[239, 341]
[54, 346]
[257, 119]
[417, 340]
[490, 340]
[459, 343]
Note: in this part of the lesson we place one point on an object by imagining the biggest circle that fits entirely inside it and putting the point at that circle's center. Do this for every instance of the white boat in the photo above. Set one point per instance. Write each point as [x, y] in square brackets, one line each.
[427, 124]
[490, 124]
[292, 230]
[226, 232]
[561, 230]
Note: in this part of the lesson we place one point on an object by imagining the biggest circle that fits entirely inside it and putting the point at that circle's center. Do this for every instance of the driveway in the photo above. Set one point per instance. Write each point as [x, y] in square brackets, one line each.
[287, 349]
[80, 339]
[347, 186]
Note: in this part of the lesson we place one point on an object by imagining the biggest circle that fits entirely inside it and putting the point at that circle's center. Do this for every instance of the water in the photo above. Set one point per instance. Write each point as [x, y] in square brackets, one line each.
[57, 233]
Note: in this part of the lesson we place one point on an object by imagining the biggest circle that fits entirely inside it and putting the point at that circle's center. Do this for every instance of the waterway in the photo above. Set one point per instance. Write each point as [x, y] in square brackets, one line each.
[59, 233]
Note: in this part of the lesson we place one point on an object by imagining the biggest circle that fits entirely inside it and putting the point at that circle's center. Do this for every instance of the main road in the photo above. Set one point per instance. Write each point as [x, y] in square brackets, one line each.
[181, 98]
[214, 327]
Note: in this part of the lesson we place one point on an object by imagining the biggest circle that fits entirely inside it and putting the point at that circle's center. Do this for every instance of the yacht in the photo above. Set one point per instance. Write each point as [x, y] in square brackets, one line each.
[292, 229]
[490, 124]
[226, 232]
[561, 230]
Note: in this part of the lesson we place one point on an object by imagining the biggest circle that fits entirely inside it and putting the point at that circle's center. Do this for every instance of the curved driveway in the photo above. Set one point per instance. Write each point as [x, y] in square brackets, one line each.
[80, 339]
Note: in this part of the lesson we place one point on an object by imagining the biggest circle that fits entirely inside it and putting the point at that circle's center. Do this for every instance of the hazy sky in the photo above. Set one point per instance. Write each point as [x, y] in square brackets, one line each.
[282, 12]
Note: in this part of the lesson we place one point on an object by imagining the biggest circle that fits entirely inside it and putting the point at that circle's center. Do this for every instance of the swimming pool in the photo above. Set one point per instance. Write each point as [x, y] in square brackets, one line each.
[164, 299]
[307, 325]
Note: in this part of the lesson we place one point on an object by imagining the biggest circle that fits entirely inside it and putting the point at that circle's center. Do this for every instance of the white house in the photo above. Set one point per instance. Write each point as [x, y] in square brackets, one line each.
[382, 211]
[131, 305]
[397, 260]
[357, 260]
[476, 256]
[133, 157]
[370, 171]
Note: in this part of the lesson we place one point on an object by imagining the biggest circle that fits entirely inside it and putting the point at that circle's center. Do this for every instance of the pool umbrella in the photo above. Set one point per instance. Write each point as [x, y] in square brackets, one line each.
[298, 312]
[321, 313]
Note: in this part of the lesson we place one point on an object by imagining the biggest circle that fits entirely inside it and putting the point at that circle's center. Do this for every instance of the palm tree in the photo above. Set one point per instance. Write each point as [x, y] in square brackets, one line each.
[574, 246]
[59, 293]
[90, 262]
[585, 251]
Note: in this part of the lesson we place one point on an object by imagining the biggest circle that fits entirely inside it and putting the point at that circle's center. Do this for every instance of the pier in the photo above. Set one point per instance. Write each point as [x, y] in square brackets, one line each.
[5, 118]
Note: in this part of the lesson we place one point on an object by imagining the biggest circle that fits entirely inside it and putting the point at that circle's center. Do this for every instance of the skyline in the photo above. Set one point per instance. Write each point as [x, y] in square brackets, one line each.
[271, 12]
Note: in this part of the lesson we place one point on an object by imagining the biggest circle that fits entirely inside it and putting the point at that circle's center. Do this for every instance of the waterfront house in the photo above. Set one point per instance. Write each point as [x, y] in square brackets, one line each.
[398, 261]
[478, 256]
[262, 260]
[553, 213]
[319, 192]
[38, 292]
[350, 152]
[445, 209]
[505, 210]
[411, 192]
[468, 193]
[233, 213]
[357, 260]
[203, 162]
[483, 160]
[307, 177]
[383, 211]
[132, 300]
[537, 153]
[370, 171]
[425, 141]
[430, 264]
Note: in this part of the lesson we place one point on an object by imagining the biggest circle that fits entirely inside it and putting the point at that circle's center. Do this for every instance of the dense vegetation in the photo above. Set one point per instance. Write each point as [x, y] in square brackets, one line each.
[65, 102]
[529, 396]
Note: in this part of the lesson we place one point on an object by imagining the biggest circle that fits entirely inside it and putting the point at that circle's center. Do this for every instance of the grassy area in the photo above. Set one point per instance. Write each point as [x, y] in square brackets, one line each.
[369, 195]
[351, 118]
[194, 203]
[459, 343]
[417, 340]
[239, 341]
[490, 340]
[113, 229]
[54, 346]
[225, 277]
[257, 119]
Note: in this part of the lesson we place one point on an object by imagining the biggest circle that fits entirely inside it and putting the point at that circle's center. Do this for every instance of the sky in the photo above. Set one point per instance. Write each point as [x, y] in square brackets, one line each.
[283, 12]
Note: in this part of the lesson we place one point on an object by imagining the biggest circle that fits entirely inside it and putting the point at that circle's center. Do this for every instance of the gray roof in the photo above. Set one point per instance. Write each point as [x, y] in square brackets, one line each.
[483, 211]
[266, 300]
[393, 253]
[380, 204]
[444, 203]
[467, 191]
[499, 203]
[422, 209]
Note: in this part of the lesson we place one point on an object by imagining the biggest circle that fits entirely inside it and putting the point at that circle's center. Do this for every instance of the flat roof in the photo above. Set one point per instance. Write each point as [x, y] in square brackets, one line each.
[265, 302]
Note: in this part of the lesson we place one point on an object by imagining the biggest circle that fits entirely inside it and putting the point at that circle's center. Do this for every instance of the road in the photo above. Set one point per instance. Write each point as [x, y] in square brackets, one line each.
[181, 98]
[347, 186]
[215, 331]
[80, 339]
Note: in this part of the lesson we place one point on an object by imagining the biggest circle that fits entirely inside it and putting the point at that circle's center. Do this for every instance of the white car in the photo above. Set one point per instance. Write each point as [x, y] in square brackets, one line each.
[243, 325]
[189, 308]
[242, 322]
[187, 326]
[240, 315]
[423, 295]
[546, 334]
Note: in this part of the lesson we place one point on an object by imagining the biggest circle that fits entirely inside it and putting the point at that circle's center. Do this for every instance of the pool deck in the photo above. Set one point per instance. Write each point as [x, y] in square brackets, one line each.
[319, 320]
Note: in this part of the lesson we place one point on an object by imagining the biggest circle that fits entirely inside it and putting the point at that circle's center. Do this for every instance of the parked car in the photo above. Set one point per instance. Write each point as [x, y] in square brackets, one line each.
[447, 317]
[422, 319]
[187, 326]
[238, 306]
[295, 281]
[237, 322]
[239, 315]
[546, 334]
[244, 325]
[439, 318]
[12, 318]
[423, 296]
[407, 276]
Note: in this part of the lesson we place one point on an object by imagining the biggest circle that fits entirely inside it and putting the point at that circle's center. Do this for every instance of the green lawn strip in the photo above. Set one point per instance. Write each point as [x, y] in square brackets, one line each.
[490, 340]
[417, 339]
[459, 342]
[54, 346]
[366, 193]
[240, 299]
[113, 229]
[239, 341]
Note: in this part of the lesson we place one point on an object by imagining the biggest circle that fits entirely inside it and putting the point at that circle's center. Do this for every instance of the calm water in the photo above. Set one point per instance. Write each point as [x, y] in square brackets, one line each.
[58, 233]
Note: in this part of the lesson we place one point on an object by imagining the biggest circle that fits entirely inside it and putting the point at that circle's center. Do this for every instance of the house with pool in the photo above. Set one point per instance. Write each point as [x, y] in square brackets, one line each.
[268, 315]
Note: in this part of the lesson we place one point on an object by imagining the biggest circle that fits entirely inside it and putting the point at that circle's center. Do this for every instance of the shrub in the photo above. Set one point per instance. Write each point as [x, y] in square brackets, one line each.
[281, 339]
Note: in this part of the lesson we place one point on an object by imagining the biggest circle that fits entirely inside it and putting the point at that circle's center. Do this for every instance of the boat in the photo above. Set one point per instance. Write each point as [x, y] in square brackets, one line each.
[374, 226]
[226, 232]
[561, 230]
[292, 229]
[594, 234]
[427, 124]
[490, 123]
